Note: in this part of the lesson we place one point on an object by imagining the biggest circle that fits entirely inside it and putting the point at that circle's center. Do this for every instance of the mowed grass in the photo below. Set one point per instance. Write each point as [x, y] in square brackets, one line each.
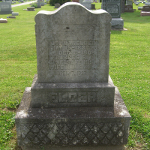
[129, 69]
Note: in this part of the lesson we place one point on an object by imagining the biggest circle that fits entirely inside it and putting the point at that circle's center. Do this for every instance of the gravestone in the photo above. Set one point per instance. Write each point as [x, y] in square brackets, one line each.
[15, 13]
[3, 20]
[38, 4]
[72, 103]
[5, 8]
[147, 3]
[86, 3]
[145, 11]
[42, 2]
[129, 8]
[146, 8]
[30, 8]
[122, 6]
[114, 8]
[129, 2]
[92, 6]
[12, 17]
[140, 8]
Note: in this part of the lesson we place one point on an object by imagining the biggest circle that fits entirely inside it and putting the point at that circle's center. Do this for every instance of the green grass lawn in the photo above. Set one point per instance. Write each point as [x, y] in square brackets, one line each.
[129, 69]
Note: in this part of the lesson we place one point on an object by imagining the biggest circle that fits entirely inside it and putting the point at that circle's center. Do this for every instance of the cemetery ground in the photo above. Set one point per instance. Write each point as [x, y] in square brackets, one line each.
[129, 70]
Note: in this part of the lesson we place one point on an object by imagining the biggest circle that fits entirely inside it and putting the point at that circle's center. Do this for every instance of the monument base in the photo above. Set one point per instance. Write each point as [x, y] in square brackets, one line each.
[6, 12]
[117, 23]
[72, 128]
[145, 13]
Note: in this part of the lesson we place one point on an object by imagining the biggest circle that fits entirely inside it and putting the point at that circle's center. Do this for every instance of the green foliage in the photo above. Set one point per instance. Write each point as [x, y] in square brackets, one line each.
[34, 5]
[53, 2]
[7, 122]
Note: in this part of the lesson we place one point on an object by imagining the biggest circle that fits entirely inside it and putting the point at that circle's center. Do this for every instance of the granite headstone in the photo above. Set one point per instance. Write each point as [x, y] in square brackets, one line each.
[72, 103]
[129, 8]
[5, 8]
[114, 8]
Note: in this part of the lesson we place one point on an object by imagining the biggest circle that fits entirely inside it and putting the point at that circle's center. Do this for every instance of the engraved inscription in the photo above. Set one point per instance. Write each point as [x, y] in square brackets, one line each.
[5, 6]
[112, 9]
[72, 58]
[72, 97]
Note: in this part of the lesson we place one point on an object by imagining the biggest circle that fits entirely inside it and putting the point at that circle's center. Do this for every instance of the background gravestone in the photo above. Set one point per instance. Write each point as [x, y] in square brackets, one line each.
[5, 8]
[38, 4]
[86, 3]
[72, 103]
[129, 8]
[114, 8]
[145, 11]
[122, 6]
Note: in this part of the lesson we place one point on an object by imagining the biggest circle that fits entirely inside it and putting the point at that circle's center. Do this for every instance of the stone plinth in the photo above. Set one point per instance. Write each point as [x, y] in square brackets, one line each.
[76, 128]
[12, 17]
[117, 23]
[72, 94]
[145, 13]
[30, 8]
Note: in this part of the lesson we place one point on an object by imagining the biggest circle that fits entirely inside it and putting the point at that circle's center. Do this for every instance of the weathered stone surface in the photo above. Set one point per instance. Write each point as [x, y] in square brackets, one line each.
[117, 23]
[72, 94]
[72, 127]
[5, 8]
[73, 47]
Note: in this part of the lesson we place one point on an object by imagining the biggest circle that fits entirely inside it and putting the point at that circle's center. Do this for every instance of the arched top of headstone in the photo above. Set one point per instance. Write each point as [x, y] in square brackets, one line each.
[77, 8]
[72, 44]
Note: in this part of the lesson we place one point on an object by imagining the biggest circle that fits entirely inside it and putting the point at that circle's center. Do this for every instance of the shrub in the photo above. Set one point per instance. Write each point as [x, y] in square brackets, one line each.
[53, 2]
[34, 5]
